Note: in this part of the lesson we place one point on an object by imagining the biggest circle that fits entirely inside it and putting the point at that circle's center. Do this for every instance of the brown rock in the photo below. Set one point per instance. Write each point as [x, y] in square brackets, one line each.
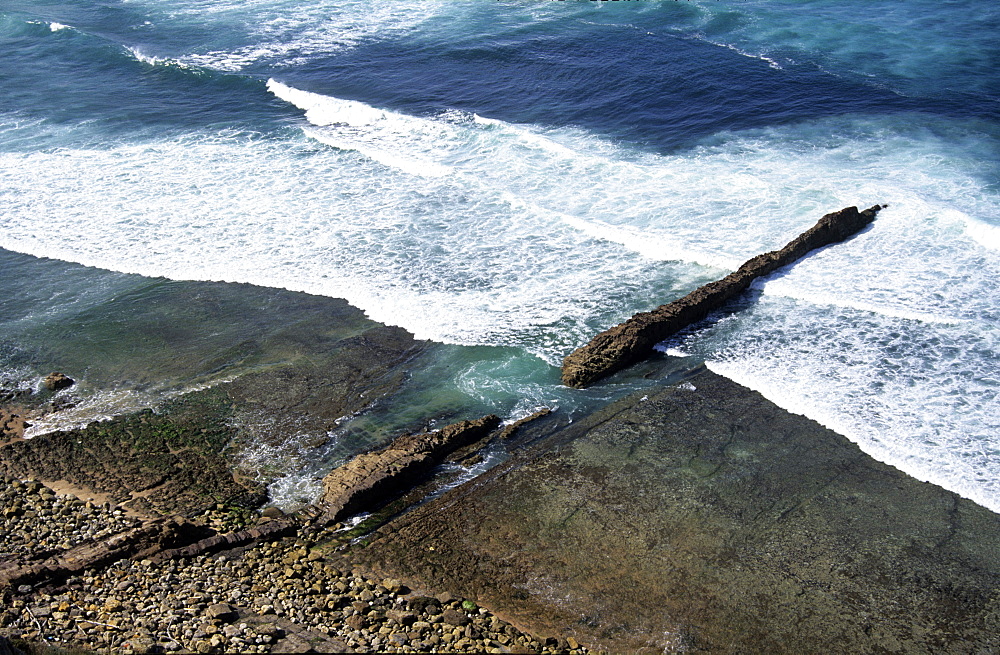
[633, 340]
[356, 622]
[57, 381]
[512, 429]
[454, 617]
[374, 476]
[221, 612]
[272, 513]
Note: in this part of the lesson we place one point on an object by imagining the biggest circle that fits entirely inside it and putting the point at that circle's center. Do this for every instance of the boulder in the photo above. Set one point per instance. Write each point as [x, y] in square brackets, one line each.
[57, 381]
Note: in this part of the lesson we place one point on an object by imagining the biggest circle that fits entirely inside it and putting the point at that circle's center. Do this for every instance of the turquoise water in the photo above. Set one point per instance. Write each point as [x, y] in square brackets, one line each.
[510, 178]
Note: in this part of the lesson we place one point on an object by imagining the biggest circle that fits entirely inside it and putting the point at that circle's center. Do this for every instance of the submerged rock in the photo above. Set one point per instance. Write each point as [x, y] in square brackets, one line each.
[633, 340]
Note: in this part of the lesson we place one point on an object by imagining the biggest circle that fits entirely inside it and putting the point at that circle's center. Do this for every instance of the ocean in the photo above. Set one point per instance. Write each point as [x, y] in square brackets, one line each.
[508, 178]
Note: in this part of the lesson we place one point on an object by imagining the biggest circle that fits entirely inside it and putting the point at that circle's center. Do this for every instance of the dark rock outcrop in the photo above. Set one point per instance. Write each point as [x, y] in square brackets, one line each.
[57, 381]
[269, 530]
[633, 340]
[510, 430]
[703, 518]
[381, 473]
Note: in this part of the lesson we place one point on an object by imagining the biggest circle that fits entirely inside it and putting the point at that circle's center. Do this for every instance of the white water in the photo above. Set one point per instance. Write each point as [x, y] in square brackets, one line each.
[469, 230]
[284, 33]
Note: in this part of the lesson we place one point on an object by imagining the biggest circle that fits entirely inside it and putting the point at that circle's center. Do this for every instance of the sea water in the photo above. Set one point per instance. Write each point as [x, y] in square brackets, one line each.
[512, 177]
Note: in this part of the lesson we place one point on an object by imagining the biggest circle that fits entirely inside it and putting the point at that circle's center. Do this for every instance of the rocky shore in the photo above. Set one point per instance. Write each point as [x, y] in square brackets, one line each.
[693, 517]
[297, 594]
[703, 518]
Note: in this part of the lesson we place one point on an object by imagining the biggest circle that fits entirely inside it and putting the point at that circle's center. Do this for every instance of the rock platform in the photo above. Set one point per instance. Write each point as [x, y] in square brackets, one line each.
[703, 518]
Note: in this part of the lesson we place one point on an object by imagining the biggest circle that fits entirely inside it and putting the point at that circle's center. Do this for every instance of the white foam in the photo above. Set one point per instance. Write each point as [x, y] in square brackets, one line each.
[411, 165]
[538, 238]
[922, 397]
[511, 239]
[106, 404]
[657, 247]
[983, 233]
[55, 27]
[326, 110]
[151, 60]
[752, 55]
[287, 34]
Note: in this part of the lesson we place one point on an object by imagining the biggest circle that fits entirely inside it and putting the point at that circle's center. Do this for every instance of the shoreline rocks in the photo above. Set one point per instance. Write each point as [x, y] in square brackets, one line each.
[293, 594]
[376, 476]
[57, 381]
[704, 518]
[632, 341]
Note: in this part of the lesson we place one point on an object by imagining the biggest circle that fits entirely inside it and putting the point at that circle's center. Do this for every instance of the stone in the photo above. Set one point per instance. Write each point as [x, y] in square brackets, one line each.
[395, 586]
[402, 617]
[633, 340]
[373, 477]
[57, 381]
[454, 617]
[356, 622]
[221, 612]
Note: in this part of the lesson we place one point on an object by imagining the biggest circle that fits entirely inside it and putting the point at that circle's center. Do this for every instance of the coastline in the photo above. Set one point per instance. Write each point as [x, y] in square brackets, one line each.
[693, 514]
[696, 517]
[705, 518]
[290, 595]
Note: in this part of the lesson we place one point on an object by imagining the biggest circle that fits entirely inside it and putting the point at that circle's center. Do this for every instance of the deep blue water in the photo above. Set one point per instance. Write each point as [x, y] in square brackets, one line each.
[523, 174]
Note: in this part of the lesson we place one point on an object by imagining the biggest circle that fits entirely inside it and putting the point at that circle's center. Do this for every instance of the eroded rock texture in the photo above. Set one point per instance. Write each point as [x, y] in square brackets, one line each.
[361, 481]
[633, 340]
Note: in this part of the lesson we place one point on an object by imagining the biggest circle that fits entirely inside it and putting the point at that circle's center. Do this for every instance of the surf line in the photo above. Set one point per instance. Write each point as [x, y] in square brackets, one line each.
[632, 341]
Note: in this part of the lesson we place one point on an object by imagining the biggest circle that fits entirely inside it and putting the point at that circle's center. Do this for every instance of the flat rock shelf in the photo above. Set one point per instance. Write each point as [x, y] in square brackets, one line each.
[704, 518]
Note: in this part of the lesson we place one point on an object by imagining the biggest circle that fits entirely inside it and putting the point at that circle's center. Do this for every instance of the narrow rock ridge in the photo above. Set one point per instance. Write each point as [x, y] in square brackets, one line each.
[632, 341]
[151, 536]
[372, 476]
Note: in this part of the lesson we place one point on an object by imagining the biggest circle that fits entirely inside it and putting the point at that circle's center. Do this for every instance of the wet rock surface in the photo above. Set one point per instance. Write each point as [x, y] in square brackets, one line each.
[348, 376]
[376, 475]
[57, 381]
[633, 340]
[704, 518]
[161, 464]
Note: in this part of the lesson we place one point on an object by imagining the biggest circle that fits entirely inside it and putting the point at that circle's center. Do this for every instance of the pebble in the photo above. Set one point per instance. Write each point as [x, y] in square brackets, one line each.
[246, 603]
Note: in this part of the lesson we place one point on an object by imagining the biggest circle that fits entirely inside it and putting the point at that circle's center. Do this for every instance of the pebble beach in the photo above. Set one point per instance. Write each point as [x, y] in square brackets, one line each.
[284, 596]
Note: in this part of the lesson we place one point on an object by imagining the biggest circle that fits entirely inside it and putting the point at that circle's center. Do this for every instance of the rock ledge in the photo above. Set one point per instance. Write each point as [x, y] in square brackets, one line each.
[633, 340]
